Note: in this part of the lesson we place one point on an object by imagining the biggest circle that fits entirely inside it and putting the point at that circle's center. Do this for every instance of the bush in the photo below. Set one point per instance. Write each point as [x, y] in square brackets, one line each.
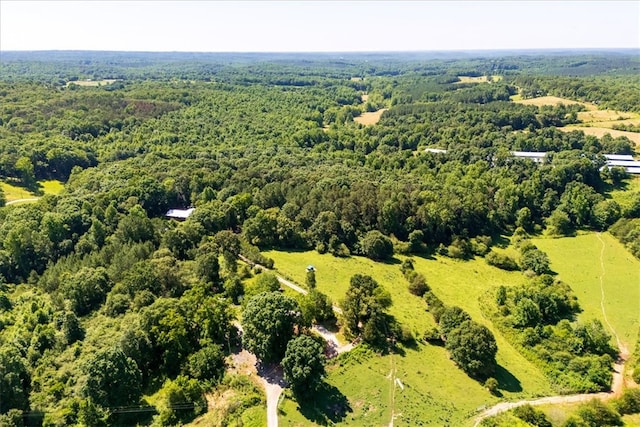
[501, 261]
[532, 416]
[418, 285]
[491, 384]
[629, 402]
[636, 375]
[596, 413]
[376, 246]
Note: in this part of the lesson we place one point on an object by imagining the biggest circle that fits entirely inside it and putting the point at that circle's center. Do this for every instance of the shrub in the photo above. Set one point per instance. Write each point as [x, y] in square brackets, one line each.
[501, 261]
[418, 285]
[491, 384]
[629, 402]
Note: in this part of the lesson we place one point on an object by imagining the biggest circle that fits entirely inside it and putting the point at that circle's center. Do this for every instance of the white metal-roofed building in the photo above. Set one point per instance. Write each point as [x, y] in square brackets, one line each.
[181, 214]
[627, 157]
[536, 156]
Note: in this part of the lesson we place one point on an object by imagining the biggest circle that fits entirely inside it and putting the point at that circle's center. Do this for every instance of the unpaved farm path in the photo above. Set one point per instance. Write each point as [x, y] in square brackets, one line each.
[32, 199]
[271, 376]
[617, 383]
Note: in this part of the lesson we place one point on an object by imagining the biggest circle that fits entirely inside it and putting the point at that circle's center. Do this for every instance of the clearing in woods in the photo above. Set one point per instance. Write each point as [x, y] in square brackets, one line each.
[435, 391]
[604, 276]
[92, 83]
[602, 131]
[14, 193]
[479, 79]
[369, 118]
[593, 121]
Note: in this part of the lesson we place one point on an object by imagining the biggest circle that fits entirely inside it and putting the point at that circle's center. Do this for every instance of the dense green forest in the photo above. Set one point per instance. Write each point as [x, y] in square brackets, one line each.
[104, 302]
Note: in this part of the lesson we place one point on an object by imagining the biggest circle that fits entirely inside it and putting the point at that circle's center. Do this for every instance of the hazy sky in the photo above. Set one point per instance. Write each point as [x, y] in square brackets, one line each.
[251, 26]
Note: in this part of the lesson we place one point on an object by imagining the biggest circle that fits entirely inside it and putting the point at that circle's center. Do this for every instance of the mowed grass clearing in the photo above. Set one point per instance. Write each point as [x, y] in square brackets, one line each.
[478, 79]
[435, 391]
[553, 100]
[14, 192]
[369, 118]
[92, 83]
[577, 260]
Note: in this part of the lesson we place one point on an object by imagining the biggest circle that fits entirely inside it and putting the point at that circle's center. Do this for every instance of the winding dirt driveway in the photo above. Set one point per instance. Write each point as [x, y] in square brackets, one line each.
[32, 199]
[271, 376]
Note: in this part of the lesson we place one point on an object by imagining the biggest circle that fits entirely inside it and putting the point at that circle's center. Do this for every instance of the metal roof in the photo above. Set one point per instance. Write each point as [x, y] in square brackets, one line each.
[179, 213]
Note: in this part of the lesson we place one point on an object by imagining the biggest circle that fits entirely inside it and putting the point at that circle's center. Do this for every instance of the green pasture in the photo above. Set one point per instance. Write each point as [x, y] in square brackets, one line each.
[624, 195]
[436, 392]
[14, 192]
[577, 260]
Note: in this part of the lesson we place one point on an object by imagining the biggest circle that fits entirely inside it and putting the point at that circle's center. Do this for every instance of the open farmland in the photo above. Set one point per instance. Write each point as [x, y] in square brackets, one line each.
[369, 118]
[605, 278]
[554, 100]
[427, 369]
[479, 79]
[601, 131]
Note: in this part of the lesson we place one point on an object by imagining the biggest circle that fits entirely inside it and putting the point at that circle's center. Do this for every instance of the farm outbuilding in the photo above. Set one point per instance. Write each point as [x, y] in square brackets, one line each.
[179, 214]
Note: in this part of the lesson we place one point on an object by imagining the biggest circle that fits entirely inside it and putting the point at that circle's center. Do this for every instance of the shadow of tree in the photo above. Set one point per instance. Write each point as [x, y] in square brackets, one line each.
[507, 381]
[327, 406]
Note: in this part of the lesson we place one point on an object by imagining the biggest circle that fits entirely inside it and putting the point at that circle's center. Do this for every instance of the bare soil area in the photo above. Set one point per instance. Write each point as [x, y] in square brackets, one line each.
[369, 118]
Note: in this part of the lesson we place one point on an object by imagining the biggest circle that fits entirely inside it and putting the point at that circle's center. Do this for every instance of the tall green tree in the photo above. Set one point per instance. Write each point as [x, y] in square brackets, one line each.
[303, 366]
[112, 378]
[269, 322]
[365, 300]
[473, 347]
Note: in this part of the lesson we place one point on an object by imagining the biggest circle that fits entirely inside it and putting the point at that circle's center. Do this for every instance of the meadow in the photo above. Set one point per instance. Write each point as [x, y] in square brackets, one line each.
[586, 260]
[435, 391]
[624, 196]
[602, 131]
[369, 117]
[14, 192]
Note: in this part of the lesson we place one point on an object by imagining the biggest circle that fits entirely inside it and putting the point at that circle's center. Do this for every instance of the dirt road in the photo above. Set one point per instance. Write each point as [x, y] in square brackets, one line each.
[33, 199]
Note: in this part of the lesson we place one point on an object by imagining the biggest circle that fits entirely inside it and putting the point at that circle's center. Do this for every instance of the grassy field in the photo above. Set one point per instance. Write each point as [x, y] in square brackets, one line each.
[479, 79]
[593, 121]
[601, 131]
[577, 260]
[92, 83]
[624, 196]
[435, 391]
[369, 118]
[13, 192]
[552, 100]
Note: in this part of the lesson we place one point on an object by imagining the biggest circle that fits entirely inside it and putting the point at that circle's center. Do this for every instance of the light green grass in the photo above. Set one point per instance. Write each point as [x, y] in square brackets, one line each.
[577, 262]
[14, 192]
[436, 391]
[333, 275]
[462, 283]
[51, 186]
[624, 196]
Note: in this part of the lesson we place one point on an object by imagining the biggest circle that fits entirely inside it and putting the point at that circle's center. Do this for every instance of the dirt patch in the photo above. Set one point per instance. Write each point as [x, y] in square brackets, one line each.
[369, 118]
[600, 132]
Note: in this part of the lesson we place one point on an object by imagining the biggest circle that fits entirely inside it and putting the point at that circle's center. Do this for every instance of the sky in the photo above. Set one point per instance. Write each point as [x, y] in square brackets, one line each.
[317, 26]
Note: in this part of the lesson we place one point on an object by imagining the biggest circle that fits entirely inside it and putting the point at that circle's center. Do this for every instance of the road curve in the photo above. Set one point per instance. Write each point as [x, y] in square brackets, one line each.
[505, 406]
